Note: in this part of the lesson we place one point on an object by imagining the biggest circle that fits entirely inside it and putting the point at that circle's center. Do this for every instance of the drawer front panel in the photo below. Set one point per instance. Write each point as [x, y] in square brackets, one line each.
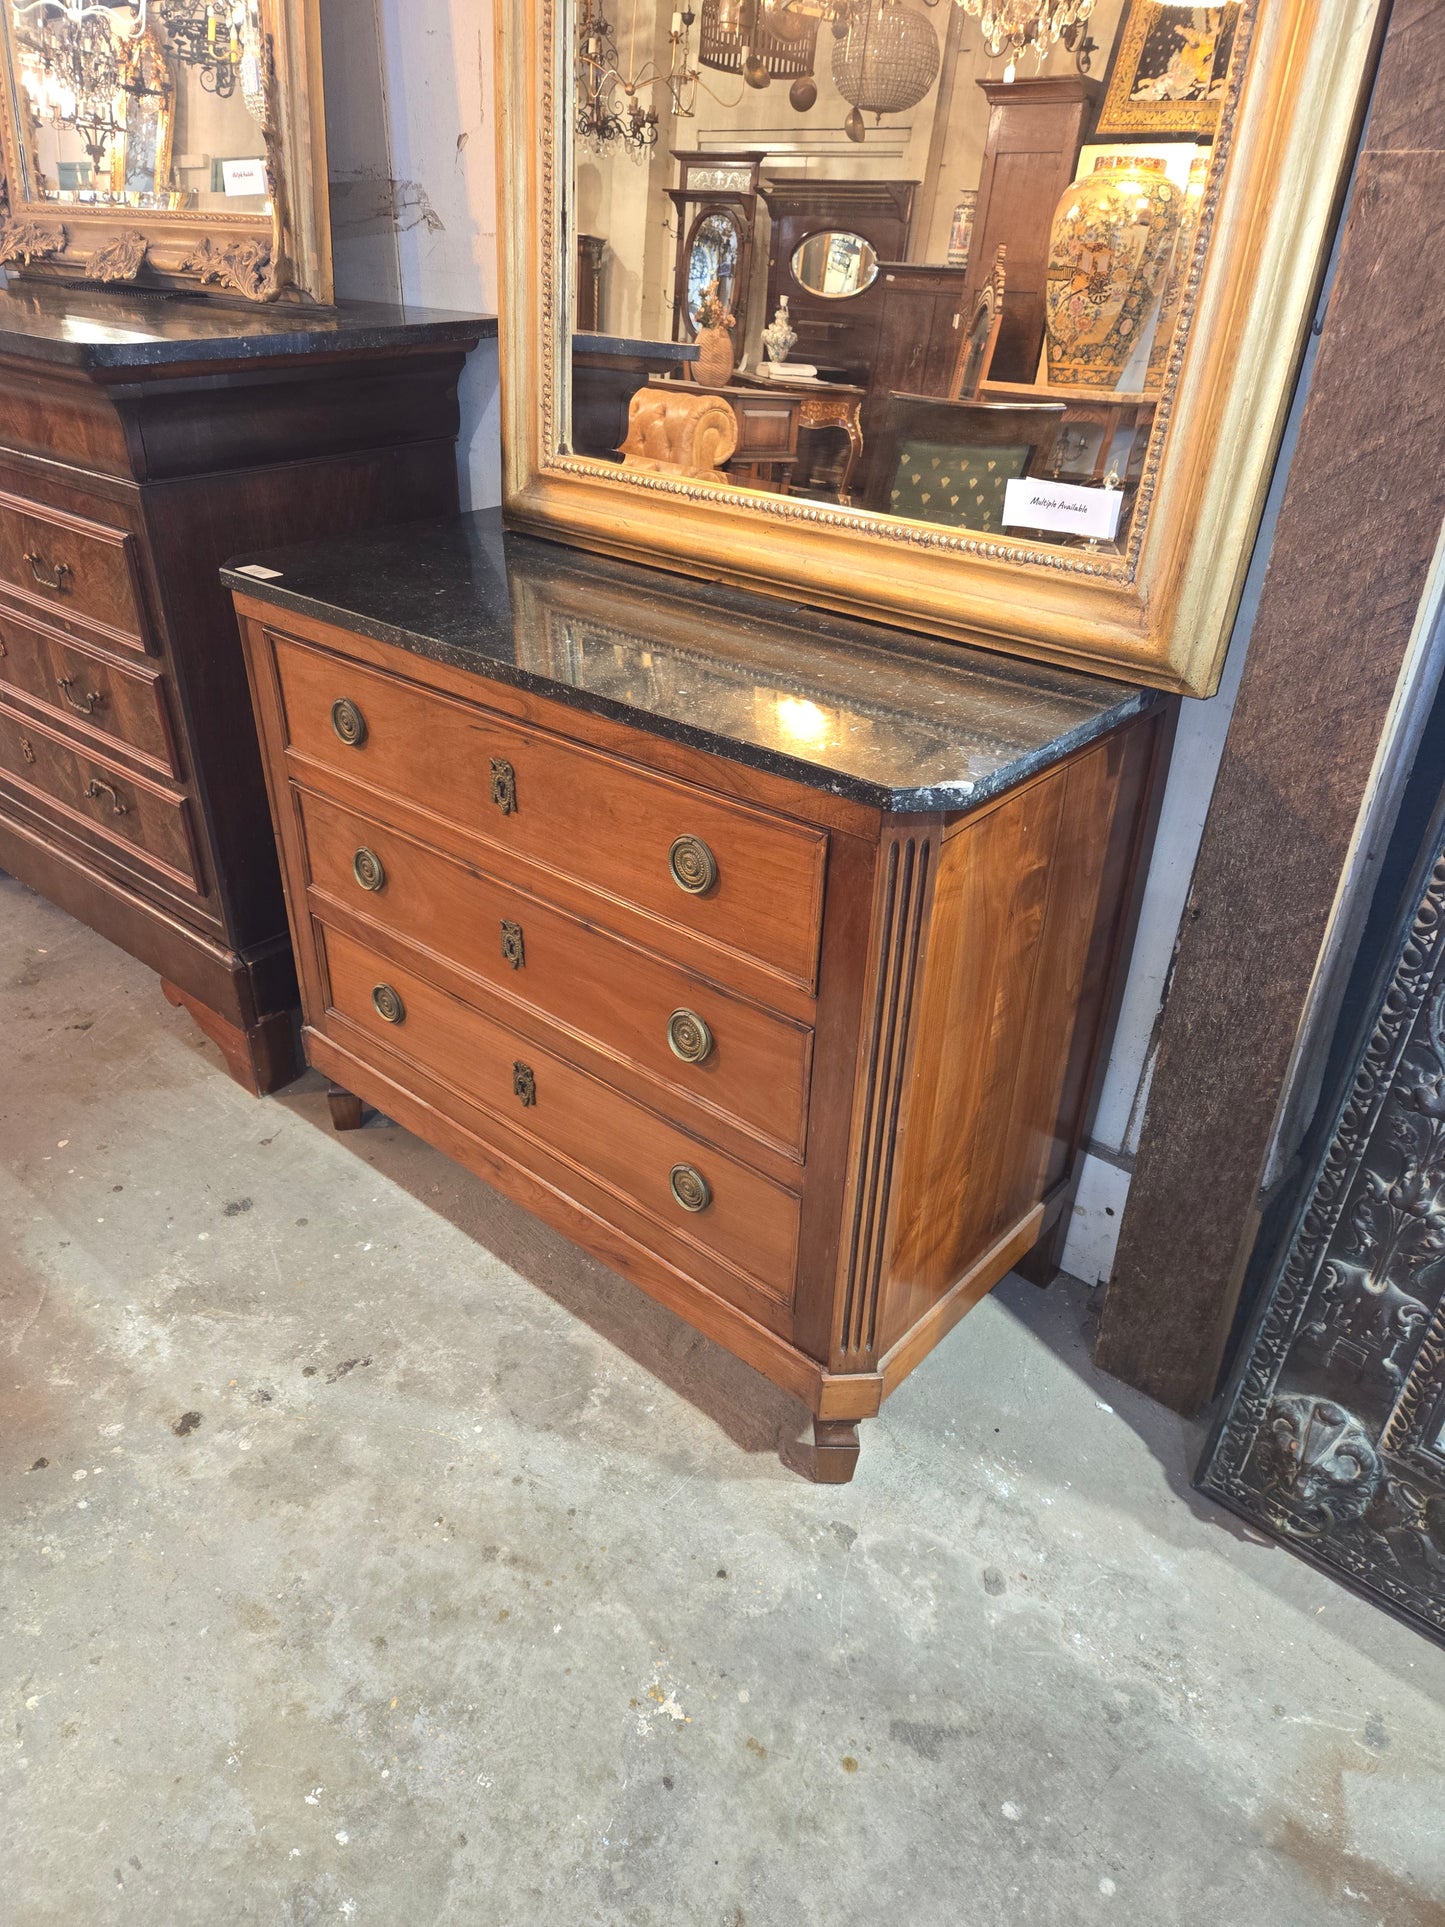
[746, 1221]
[102, 798]
[605, 824]
[708, 1047]
[91, 691]
[70, 564]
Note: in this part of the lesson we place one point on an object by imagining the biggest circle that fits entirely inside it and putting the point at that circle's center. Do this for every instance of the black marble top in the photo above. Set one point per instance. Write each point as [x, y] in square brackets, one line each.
[108, 328]
[635, 346]
[896, 721]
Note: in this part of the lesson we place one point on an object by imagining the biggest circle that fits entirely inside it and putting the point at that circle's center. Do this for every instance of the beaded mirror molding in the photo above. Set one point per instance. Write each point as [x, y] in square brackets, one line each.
[165, 143]
[929, 310]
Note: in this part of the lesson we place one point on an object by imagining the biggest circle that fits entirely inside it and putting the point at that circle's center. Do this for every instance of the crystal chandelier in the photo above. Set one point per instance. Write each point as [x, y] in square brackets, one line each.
[885, 59]
[77, 61]
[1019, 25]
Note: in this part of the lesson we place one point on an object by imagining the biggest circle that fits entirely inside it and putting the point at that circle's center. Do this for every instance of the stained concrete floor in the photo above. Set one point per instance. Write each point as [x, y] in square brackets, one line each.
[371, 1555]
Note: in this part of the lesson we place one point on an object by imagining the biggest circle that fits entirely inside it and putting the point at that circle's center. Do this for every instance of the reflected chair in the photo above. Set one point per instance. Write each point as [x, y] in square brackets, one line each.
[949, 461]
[686, 431]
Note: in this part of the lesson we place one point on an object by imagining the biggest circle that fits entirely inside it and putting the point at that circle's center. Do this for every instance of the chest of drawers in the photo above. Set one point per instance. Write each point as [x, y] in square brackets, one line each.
[144, 438]
[769, 961]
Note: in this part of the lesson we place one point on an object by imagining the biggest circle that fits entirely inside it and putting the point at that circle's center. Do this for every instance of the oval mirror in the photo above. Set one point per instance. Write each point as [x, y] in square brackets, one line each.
[713, 257]
[835, 264]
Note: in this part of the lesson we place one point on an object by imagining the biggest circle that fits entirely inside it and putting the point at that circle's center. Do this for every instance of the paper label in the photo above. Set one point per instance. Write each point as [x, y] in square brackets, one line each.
[1037, 503]
[258, 569]
[244, 177]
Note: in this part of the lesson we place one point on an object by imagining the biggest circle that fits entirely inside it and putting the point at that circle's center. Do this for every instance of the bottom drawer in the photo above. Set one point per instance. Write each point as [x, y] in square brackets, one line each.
[104, 800]
[737, 1215]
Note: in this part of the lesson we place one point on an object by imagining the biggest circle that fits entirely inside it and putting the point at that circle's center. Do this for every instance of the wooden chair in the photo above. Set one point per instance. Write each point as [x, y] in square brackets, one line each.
[685, 431]
[949, 461]
[975, 350]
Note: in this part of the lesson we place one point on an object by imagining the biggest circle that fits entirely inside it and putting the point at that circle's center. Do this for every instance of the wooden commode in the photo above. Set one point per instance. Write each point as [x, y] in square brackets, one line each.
[766, 955]
[143, 438]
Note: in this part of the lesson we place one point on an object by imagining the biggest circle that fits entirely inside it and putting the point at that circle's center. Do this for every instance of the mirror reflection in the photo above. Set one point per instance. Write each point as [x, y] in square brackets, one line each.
[892, 255]
[153, 104]
[834, 265]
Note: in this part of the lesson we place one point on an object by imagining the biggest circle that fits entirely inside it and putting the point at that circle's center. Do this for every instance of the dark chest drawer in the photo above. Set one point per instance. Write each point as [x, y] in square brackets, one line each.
[120, 705]
[78, 567]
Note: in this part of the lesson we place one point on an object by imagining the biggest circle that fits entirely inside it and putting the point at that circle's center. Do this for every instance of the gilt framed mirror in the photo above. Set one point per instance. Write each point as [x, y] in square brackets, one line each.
[166, 143]
[1159, 287]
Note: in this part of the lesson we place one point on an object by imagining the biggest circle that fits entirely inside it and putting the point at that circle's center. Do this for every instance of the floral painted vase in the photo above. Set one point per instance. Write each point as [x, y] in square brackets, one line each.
[1110, 245]
[1173, 296]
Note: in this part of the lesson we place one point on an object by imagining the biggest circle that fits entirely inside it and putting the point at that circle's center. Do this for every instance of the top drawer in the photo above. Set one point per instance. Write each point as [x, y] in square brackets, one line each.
[730, 874]
[71, 566]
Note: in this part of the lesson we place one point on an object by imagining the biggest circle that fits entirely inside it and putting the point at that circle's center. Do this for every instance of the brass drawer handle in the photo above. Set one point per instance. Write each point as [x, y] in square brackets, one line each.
[513, 948]
[389, 1007]
[26, 749]
[688, 1037]
[348, 722]
[91, 703]
[504, 786]
[96, 789]
[693, 865]
[690, 1188]
[524, 1083]
[368, 869]
[50, 575]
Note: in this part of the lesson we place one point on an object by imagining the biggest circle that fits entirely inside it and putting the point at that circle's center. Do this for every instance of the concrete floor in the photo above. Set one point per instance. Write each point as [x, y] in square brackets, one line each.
[371, 1555]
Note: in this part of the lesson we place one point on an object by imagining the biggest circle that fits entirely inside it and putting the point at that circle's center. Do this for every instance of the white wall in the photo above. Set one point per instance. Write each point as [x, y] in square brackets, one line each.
[413, 170]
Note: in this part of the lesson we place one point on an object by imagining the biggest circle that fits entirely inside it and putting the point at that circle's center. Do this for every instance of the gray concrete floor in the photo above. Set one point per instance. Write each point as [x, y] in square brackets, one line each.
[371, 1555]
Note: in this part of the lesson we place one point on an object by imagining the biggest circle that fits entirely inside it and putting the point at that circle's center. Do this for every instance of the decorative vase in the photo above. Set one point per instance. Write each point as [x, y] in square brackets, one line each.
[780, 336]
[1178, 275]
[1109, 249]
[714, 364]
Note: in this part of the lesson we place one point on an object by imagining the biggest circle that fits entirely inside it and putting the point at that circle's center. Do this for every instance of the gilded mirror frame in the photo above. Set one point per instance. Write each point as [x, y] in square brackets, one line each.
[1159, 612]
[281, 255]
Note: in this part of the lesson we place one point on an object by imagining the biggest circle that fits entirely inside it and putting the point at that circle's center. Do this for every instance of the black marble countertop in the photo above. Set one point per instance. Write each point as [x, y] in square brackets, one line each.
[108, 328]
[896, 721]
[635, 346]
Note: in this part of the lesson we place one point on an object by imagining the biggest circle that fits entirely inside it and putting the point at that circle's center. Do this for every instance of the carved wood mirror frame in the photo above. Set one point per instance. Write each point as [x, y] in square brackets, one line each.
[283, 255]
[1161, 611]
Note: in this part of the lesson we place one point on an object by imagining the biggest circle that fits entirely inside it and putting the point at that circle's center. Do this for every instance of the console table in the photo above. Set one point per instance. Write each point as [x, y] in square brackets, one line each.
[771, 414]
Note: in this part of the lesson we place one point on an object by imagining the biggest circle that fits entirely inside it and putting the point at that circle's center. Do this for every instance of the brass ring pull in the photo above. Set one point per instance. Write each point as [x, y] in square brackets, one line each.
[524, 1083]
[91, 703]
[690, 1187]
[389, 1007]
[693, 865]
[688, 1037]
[96, 789]
[368, 869]
[50, 575]
[349, 723]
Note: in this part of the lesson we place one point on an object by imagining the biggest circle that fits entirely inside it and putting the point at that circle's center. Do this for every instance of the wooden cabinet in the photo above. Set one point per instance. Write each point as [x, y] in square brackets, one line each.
[1035, 130]
[143, 439]
[810, 1069]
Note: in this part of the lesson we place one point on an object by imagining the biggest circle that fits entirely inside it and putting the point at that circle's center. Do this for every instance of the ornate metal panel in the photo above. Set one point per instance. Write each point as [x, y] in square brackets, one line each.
[1333, 1436]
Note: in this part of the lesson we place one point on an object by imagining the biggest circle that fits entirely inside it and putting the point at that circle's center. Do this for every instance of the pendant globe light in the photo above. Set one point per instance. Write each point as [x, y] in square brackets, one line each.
[884, 61]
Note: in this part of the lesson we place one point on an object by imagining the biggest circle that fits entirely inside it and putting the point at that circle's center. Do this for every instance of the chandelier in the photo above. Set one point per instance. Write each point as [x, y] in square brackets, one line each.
[609, 94]
[1022, 24]
[885, 59]
[763, 40]
[211, 36]
[78, 61]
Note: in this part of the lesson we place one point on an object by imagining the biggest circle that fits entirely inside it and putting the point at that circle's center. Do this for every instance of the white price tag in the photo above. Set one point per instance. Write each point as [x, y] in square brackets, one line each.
[258, 569]
[244, 177]
[1036, 503]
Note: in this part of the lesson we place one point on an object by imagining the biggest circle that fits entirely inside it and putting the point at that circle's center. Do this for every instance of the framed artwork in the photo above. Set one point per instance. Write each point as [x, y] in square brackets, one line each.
[960, 233]
[1168, 72]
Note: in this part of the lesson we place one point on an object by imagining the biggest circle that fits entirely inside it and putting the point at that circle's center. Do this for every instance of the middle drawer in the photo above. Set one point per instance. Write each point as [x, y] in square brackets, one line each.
[707, 1046]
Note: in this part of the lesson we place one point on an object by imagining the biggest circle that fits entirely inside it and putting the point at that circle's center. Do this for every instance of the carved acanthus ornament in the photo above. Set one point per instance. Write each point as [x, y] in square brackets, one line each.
[247, 266]
[27, 241]
[120, 259]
